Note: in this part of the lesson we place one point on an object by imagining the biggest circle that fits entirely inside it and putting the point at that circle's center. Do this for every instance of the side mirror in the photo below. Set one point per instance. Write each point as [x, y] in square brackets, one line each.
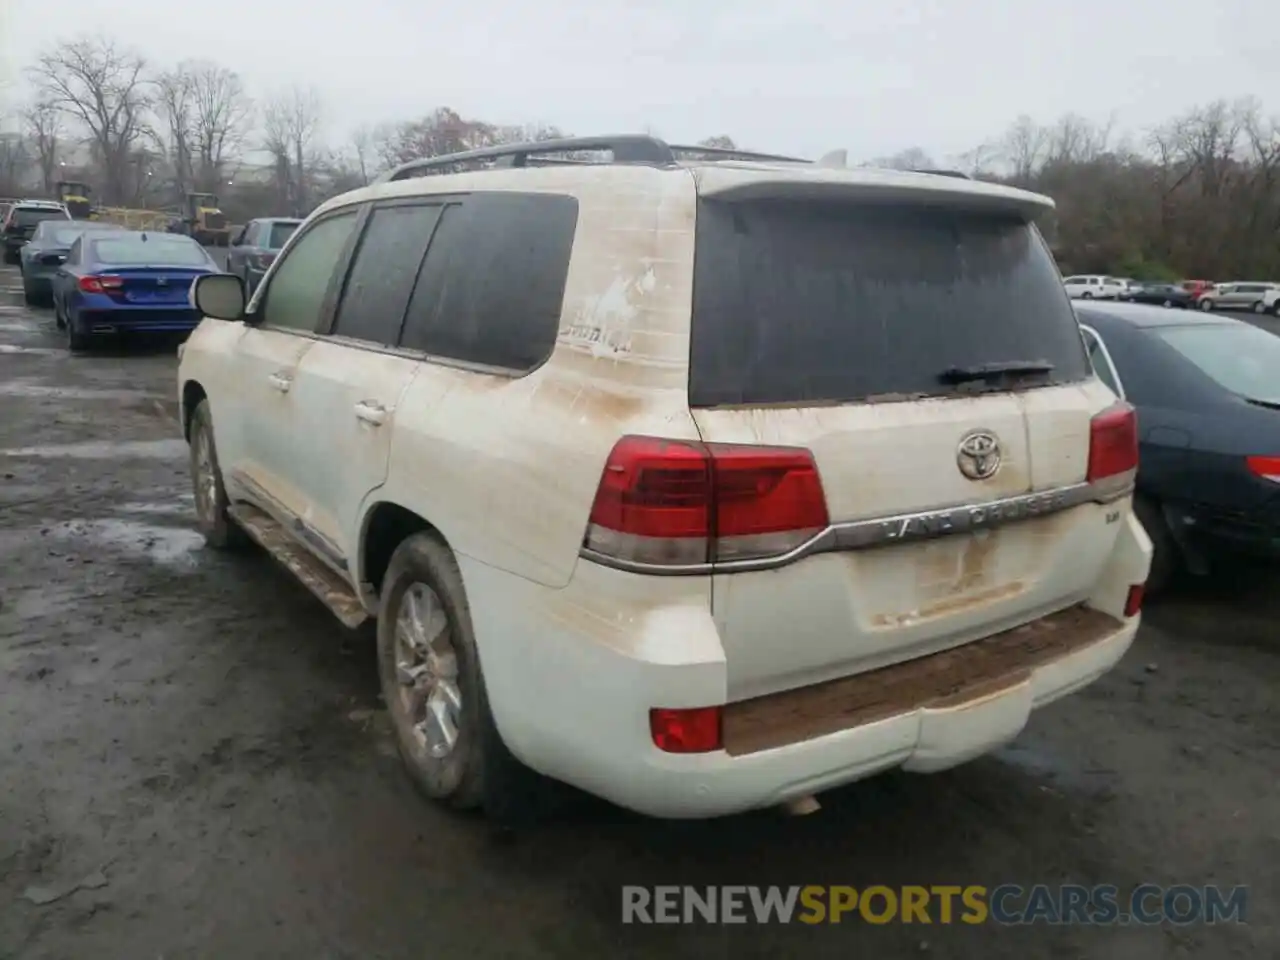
[219, 295]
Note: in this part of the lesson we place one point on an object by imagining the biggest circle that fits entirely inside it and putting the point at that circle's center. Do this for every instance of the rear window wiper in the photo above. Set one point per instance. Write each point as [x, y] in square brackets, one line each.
[995, 371]
[1269, 404]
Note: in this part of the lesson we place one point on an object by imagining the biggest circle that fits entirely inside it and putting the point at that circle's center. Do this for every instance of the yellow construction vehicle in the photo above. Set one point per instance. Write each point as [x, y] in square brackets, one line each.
[204, 220]
[74, 195]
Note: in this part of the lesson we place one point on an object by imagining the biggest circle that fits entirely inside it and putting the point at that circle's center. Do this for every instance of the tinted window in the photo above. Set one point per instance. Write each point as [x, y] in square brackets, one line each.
[1240, 357]
[383, 274]
[280, 232]
[248, 236]
[26, 216]
[492, 285]
[296, 294]
[155, 250]
[805, 302]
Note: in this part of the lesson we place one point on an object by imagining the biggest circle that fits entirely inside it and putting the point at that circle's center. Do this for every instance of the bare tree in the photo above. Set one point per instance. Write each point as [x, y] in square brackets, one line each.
[43, 123]
[291, 124]
[719, 142]
[1024, 148]
[174, 108]
[912, 158]
[221, 118]
[439, 132]
[14, 161]
[103, 87]
[363, 153]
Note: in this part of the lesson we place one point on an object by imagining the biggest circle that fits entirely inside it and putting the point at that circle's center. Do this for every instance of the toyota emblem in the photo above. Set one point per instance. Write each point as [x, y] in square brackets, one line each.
[978, 455]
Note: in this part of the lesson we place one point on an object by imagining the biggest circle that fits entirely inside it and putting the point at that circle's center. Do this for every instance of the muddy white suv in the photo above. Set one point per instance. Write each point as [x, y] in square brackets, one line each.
[700, 481]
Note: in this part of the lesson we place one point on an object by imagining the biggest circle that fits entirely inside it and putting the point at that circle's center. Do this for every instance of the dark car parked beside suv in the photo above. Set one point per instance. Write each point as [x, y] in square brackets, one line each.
[1207, 391]
[20, 223]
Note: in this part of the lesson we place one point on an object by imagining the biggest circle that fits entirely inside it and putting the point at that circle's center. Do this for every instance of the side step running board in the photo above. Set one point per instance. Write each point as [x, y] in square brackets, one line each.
[315, 576]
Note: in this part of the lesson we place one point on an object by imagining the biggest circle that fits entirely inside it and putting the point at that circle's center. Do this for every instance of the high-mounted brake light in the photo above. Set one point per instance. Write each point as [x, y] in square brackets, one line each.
[1113, 442]
[681, 502]
[100, 284]
[1268, 468]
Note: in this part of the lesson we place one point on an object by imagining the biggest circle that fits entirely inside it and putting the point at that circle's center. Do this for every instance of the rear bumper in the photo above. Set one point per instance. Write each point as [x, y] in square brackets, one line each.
[572, 673]
[135, 319]
[1228, 535]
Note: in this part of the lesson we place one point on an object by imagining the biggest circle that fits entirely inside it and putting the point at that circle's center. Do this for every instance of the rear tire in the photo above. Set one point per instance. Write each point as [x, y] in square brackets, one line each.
[30, 297]
[220, 531]
[11, 258]
[477, 770]
[77, 342]
[1167, 564]
[58, 321]
[1086, 295]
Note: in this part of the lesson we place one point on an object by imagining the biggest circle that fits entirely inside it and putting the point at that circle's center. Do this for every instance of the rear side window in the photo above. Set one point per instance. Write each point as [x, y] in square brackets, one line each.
[280, 232]
[492, 286]
[799, 302]
[384, 271]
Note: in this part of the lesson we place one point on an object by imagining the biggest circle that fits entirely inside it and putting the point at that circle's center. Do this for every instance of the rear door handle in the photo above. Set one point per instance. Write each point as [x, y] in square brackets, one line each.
[370, 412]
[280, 382]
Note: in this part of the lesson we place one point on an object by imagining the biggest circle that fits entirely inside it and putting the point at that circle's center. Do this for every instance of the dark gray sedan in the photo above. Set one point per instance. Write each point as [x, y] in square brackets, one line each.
[1207, 390]
[46, 251]
[253, 249]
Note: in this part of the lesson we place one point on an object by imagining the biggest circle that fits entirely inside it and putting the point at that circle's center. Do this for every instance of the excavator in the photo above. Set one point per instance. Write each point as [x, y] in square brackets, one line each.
[203, 220]
[74, 195]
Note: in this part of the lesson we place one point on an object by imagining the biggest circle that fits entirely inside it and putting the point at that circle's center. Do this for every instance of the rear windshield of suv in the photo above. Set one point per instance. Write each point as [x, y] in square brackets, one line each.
[280, 232]
[26, 216]
[807, 303]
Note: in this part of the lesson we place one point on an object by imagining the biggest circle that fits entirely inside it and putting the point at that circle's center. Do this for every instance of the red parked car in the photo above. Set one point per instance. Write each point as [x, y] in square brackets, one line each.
[1196, 287]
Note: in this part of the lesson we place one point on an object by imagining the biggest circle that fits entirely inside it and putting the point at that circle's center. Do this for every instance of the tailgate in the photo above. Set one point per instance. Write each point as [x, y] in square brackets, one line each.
[957, 499]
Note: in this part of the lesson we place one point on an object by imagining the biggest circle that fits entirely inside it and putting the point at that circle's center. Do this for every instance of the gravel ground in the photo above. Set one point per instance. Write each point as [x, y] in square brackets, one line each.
[195, 763]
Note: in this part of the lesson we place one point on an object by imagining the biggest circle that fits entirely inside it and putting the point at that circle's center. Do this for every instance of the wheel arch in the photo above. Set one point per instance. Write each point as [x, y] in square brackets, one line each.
[192, 393]
[385, 526]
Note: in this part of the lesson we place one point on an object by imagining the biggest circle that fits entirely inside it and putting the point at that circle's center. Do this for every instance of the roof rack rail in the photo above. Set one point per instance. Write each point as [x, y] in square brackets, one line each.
[626, 148]
[959, 174]
[732, 153]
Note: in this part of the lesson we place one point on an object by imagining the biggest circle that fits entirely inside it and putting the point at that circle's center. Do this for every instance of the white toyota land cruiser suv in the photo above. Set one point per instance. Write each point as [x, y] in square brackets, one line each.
[702, 481]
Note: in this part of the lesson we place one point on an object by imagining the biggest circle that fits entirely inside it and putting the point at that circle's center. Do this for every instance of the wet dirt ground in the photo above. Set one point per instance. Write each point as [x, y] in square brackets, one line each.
[193, 760]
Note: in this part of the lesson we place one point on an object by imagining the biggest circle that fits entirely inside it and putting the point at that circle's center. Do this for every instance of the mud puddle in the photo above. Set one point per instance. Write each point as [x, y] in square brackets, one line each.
[167, 449]
[169, 545]
[26, 388]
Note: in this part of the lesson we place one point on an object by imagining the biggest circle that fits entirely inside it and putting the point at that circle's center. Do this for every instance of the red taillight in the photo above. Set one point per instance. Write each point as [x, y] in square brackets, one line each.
[100, 284]
[677, 502]
[265, 260]
[1113, 442]
[1268, 468]
[689, 730]
[1133, 602]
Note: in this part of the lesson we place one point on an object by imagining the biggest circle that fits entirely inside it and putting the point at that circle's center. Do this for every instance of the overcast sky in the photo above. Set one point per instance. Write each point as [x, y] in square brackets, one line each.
[798, 76]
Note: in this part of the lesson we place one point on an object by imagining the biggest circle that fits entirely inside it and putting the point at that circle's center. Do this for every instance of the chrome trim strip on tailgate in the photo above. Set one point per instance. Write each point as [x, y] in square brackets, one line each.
[902, 528]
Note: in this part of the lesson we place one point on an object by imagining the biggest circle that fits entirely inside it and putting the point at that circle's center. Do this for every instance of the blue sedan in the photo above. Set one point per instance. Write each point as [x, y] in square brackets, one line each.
[128, 281]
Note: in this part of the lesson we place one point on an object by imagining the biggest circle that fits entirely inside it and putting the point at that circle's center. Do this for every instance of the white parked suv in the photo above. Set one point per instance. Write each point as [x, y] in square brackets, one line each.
[1255, 297]
[1095, 288]
[703, 482]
